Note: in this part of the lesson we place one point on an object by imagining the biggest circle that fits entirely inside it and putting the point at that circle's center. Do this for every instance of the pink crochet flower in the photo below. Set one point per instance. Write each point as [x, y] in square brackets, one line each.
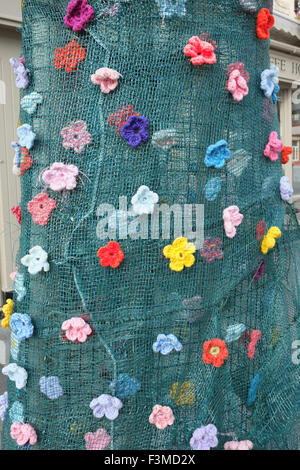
[161, 416]
[40, 208]
[232, 219]
[75, 136]
[76, 329]
[273, 147]
[200, 51]
[238, 445]
[237, 81]
[98, 440]
[79, 12]
[60, 177]
[106, 78]
[23, 433]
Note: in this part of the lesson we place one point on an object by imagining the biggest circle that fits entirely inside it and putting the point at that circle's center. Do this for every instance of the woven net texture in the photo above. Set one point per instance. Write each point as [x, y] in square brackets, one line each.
[128, 307]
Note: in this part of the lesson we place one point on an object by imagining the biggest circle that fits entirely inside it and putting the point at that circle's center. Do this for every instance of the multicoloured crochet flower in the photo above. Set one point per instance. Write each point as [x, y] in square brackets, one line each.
[22, 80]
[166, 343]
[3, 405]
[286, 151]
[7, 311]
[21, 325]
[238, 445]
[216, 154]
[30, 102]
[79, 12]
[76, 329]
[36, 261]
[50, 386]
[264, 23]
[214, 352]
[200, 51]
[204, 438]
[161, 416]
[144, 200]
[106, 405]
[211, 249]
[26, 136]
[60, 176]
[237, 81]
[110, 255]
[75, 136]
[68, 57]
[40, 208]
[98, 440]
[286, 190]
[135, 130]
[106, 78]
[17, 374]
[23, 434]
[212, 189]
[125, 386]
[169, 8]
[232, 218]
[16, 210]
[252, 392]
[269, 240]
[22, 159]
[180, 253]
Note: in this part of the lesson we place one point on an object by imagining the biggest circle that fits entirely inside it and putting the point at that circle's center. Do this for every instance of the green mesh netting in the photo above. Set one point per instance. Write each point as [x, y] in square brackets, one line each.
[129, 306]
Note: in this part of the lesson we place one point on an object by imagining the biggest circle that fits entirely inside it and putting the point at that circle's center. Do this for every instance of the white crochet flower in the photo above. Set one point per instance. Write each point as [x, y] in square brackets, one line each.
[143, 201]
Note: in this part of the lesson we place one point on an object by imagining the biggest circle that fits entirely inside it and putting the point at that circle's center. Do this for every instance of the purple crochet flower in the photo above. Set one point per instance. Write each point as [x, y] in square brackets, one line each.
[204, 438]
[60, 177]
[286, 190]
[135, 130]
[106, 405]
[79, 12]
[21, 72]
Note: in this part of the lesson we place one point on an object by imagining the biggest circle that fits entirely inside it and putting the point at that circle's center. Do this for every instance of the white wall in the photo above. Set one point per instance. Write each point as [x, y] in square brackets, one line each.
[10, 9]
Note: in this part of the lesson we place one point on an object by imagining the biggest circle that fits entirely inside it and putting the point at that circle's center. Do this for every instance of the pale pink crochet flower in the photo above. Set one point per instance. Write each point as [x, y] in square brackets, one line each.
[23, 433]
[40, 208]
[232, 219]
[75, 136]
[237, 81]
[200, 51]
[98, 440]
[60, 177]
[106, 78]
[238, 445]
[161, 416]
[273, 147]
[79, 12]
[76, 329]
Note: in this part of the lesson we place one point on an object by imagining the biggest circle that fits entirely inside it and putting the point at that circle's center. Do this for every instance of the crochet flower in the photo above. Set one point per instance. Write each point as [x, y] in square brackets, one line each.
[214, 352]
[232, 218]
[169, 8]
[234, 332]
[269, 81]
[144, 200]
[68, 57]
[19, 287]
[7, 310]
[76, 329]
[212, 188]
[286, 151]
[23, 434]
[60, 176]
[3, 405]
[180, 253]
[21, 73]
[50, 386]
[106, 405]
[211, 249]
[98, 440]
[286, 190]
[30, 102]
[110, 255]
[36, 261]
[25, 162]
[106, 78]
[204, 438]
[40, 208]
[135, 130]
[26, 136]
[200, 51]
[166, 343]
[120, 118]
[252, 392]
[161, 416]
[216, 154]
[125, 386]
[17, 374]
[16, 210]
[238, 445]
[237, 81]
[264, 22]
[79, 12]
[21, 326]
[75, 136]
[269, 240]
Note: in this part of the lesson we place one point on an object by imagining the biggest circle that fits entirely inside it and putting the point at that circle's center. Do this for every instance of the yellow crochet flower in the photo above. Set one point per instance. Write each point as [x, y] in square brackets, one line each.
[269, 239]
[7, 310]
[180, 254]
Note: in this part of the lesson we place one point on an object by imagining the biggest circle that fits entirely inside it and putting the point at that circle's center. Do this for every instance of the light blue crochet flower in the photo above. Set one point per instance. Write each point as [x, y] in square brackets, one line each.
[269, 80]
[125, 386]
[143, 201]
[17, 148]
[21, 325]
[234, 332]
[286, 190]
[169, 8]
[212, 188]
[166, 343]
[16, 413]
[17, 374]
[217, 154]
[26, 136]
[36, 261]
[19, 287]
[29, 102]
[3, 405]
[50, 386]
[252, 392]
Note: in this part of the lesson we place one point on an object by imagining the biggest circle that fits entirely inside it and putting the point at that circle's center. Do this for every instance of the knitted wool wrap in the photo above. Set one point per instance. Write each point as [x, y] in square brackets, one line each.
[129, 306]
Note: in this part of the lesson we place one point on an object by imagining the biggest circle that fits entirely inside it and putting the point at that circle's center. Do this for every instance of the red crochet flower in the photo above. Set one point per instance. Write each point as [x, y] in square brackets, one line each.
[200, 50]
[40, 208]
[264, 22]
[16, 210]
[214, 352]
[285, 154]
[119, 118]
[111, 255]
[26, 160]
[68, 57]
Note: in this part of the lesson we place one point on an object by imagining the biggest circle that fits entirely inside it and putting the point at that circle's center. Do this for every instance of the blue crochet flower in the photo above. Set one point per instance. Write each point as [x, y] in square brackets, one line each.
[22, 80]
[144, 200]
[21, 325]
[217, 154]
[169, 8]
[252, 392]
[212, 188]
[29, 102]
[135, 130]
[125, 386]
[16, 413]
[3, 405]
[36, 261]
[50, 386]
[274, 94]
[269, 80]
[26, 136]
[166, 343]
[106, 405]
[19, 287]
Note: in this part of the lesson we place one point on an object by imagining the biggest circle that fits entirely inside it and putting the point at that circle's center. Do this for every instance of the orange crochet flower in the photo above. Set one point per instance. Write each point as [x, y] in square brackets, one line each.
[214, 352]
[111, 255]
[40, 208]
[264, 22]
[285, 154]
[68, 57]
